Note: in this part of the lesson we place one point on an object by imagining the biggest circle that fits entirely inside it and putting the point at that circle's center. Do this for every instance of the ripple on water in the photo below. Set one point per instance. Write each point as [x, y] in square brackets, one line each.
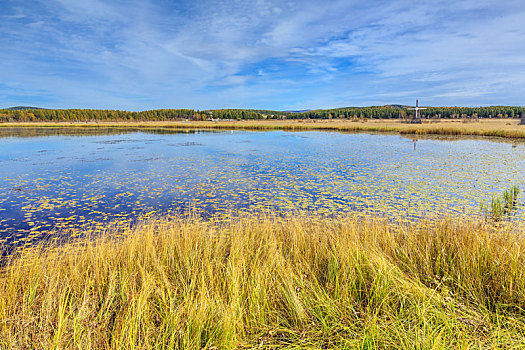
[77, 183]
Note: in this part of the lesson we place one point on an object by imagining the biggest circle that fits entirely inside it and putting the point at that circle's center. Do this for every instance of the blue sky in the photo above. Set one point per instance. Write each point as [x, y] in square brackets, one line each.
[284, 55]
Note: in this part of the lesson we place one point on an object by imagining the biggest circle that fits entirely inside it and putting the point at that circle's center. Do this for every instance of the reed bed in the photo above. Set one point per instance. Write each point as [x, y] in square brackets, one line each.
[261, 281]
[504, 128]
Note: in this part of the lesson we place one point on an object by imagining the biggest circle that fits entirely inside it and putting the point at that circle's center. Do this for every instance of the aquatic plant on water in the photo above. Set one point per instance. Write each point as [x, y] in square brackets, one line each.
[501, 207]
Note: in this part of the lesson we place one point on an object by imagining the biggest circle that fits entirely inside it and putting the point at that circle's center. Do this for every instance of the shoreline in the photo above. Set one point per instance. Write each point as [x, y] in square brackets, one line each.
[503, 128]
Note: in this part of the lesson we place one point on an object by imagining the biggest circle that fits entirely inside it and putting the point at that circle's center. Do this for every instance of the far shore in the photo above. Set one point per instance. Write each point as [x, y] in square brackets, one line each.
[507, 128]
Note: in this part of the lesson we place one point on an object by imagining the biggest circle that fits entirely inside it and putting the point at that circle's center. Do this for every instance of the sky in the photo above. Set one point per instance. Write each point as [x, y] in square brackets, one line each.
[260, 54]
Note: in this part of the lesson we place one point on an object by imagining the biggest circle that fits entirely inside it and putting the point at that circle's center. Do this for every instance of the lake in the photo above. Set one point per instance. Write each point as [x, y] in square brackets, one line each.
[63, 180]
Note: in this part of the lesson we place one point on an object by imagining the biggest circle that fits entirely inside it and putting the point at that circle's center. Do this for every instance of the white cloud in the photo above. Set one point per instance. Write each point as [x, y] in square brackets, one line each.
[262, 54]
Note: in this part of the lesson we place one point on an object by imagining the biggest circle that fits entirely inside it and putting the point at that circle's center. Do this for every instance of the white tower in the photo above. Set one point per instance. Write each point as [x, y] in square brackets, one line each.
[417, 119]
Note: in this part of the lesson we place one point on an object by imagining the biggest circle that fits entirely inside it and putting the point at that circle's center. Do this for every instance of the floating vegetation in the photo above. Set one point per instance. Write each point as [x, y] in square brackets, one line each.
[87, 181]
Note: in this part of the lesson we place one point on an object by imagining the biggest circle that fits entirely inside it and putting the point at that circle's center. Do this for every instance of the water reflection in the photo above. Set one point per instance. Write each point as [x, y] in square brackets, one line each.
[90, 131]
[69, 179]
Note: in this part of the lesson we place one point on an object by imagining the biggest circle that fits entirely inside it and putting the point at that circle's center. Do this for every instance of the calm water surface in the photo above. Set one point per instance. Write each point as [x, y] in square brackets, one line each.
[65, 180]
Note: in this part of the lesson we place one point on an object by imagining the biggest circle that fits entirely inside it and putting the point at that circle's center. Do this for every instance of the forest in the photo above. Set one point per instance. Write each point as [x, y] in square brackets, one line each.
[376, 112]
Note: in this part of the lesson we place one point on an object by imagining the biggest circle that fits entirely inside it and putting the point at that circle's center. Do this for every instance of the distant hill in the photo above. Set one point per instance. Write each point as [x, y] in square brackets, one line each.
[22, 108]
[301, 111]
[397, 106]
[393, 106]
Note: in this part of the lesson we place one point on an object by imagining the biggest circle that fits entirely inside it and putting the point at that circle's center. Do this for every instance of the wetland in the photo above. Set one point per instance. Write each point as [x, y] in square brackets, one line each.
[294, 239]
[63, 181]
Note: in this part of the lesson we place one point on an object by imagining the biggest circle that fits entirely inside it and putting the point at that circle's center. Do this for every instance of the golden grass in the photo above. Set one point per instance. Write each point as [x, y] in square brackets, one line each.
[270, 282]
[508, 128]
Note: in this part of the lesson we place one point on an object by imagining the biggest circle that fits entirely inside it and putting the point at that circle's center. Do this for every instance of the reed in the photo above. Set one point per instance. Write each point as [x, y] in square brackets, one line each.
[502, 207]
[503, 128]
[262, 281]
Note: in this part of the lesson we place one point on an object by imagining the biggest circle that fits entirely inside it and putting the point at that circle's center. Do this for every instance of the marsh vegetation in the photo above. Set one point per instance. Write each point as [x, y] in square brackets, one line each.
[502, 207]
[294, 240]
[500, 127]
[271, 282]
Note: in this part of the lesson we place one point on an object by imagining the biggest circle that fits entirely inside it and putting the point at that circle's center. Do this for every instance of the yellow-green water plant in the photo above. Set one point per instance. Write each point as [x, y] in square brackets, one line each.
[501, 207]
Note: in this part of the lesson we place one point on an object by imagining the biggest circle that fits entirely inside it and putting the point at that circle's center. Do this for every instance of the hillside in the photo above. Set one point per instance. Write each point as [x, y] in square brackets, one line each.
[22, 108]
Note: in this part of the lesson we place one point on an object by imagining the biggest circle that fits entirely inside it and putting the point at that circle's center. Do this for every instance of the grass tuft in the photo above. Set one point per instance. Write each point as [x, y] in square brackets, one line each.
[503, 207]
[270, 282]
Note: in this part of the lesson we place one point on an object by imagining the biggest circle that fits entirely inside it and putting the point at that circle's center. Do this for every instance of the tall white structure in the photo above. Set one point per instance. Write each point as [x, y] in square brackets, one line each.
[417, 119]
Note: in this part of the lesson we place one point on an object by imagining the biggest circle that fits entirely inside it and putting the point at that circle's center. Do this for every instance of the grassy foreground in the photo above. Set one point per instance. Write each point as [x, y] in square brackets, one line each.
[506, 128]
[267, 282]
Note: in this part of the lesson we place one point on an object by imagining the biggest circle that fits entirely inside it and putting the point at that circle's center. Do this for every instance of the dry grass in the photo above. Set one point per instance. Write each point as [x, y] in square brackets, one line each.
[268, 282]
[508, 128]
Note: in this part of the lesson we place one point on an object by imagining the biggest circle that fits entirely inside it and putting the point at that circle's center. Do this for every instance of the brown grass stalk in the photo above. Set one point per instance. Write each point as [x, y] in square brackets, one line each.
[270, 282]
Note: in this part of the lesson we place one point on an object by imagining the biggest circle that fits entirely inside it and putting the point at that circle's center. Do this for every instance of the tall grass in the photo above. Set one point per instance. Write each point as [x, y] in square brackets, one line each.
[502, 207]
[271, 282]
[499, 128]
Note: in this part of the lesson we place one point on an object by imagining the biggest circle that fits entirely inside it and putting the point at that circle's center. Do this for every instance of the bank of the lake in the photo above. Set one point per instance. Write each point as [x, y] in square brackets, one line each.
[500, 127]
[271, 282]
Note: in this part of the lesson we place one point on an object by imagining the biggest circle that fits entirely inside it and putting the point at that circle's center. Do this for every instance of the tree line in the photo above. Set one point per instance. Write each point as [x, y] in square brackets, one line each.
[384, 112]
[381, 112]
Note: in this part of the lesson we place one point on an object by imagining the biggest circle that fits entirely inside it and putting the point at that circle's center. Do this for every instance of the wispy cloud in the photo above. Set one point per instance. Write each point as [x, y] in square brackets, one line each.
[260, 54]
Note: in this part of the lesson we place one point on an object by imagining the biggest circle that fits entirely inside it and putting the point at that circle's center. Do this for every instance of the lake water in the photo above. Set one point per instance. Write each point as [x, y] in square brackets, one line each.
[65, 180]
